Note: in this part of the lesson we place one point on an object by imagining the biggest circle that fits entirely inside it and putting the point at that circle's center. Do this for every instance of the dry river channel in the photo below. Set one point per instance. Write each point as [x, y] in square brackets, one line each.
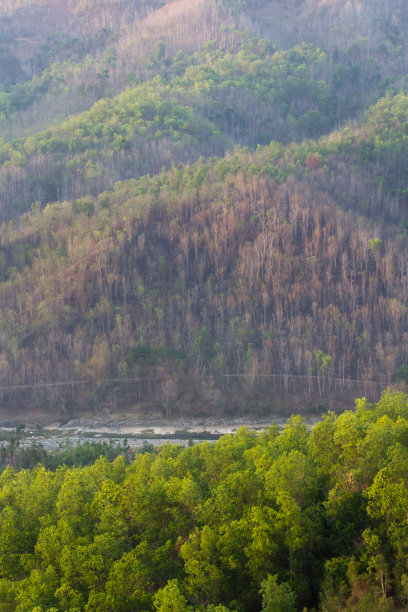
[133, 434]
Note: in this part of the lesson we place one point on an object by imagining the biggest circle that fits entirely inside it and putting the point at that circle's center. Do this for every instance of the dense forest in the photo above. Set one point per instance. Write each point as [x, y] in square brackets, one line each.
[276, 521]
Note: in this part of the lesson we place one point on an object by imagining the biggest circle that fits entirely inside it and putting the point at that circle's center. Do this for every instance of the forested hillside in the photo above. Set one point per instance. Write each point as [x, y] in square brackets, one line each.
[274, 521]
[203, 205]
[223, 81]
[204, 211]
[202, 284]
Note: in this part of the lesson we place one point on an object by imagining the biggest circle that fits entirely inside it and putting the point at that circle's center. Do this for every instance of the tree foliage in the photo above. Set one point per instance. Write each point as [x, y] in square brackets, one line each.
[254, 521]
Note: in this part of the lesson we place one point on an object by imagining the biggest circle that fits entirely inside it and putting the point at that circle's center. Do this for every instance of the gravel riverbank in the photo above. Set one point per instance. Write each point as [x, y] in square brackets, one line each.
[136, 433]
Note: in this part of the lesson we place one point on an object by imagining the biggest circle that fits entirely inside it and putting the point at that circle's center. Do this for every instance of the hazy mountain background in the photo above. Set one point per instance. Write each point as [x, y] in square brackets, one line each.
[204, 204]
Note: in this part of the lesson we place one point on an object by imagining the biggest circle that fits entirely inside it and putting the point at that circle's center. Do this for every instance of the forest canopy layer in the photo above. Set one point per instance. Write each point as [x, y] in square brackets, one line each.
[274, 520]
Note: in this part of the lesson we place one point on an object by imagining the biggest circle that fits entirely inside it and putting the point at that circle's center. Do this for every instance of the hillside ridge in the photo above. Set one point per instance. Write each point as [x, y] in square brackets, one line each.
[202, 214]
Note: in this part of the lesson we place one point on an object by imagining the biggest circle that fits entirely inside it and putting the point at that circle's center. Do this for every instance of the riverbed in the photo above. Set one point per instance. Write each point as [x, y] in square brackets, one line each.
[132, 432]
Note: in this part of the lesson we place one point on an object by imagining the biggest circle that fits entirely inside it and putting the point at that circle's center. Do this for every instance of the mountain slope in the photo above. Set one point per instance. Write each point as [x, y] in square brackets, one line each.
[243, 98]
[221, 282]
[253, 266]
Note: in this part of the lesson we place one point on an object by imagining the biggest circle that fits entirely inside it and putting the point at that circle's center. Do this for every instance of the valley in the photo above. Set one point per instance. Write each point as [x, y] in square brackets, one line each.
[203, 305]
